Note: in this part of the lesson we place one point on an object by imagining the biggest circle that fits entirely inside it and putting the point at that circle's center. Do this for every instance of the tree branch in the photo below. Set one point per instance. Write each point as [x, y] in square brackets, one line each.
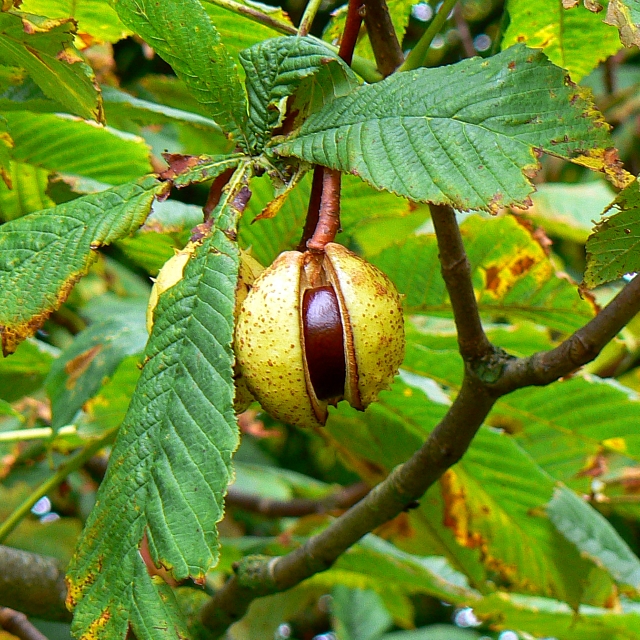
[17, 624]
[583, 346]
[298, 507]
[32, 584]
[456, 273]
[382, 35]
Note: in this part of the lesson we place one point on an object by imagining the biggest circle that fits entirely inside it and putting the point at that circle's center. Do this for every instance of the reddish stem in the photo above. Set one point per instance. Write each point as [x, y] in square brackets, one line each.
[355, 15]
[329, 218]
[313, 212]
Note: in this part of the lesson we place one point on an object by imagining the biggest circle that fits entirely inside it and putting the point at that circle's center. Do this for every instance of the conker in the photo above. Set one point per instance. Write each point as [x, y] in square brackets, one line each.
[316, 329]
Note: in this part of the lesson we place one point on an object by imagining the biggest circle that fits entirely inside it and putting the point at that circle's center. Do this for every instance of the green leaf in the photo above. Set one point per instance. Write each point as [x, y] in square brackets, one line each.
[182, 33]
[107, 409]
[463, 135]
[68, 145]
[47, 252]
[237, 31]
[167, 228]
[28, 192]
[45, 49]
[123, 105]
[94, 355]
[359, 615]
[176, 441]
[576, 39]
[275, 69]
[95, 18]
[512, 276]
[568, 210]
[26, 370]
[625, 14]
[612, 249]
[594, 536]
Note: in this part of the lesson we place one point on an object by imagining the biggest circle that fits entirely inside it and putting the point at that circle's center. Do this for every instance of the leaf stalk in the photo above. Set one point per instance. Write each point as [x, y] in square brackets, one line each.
[418, 56]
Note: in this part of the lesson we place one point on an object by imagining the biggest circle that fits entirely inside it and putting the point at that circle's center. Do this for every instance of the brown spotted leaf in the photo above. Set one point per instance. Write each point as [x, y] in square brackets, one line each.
[467, 135]
[512, 276]
[42, 255]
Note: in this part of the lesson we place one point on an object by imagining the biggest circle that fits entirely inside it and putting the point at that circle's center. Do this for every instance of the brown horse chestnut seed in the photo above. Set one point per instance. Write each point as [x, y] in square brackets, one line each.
[314, 330]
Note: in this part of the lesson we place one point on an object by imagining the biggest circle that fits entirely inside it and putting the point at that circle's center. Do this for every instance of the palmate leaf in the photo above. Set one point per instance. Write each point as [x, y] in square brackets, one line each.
[614, 247]
[182, 33]
[464, 135]
[44, 254]
[576, 39]
[171, 464]
[44, 48]
[512, 275]
[275, 68]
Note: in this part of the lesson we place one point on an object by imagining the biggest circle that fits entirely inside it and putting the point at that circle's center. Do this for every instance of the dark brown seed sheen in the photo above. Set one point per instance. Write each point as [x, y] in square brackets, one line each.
[324, 342]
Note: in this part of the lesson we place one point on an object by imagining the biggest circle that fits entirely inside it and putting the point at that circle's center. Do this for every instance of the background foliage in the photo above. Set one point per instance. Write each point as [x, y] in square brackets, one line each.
[536, 531]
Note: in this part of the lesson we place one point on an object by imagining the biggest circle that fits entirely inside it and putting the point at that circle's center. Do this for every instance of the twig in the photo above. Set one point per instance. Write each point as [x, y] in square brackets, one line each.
[456, 273]
[418, 55]
[382, 35]
[583, 346]
[32, 584]
[50, 483]
[308, 17]
[464, 31]
[297, 507]
[17, 623]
